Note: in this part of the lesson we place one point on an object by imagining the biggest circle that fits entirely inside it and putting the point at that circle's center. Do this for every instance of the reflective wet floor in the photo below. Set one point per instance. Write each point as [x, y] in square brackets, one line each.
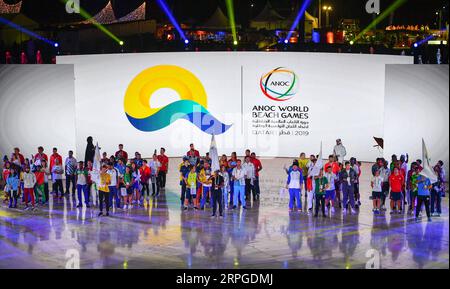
[161, 235]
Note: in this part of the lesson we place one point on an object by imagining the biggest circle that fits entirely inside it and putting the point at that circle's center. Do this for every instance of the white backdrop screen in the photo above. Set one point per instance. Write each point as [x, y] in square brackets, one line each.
[417, 106]
[277, 104]
[37, 108]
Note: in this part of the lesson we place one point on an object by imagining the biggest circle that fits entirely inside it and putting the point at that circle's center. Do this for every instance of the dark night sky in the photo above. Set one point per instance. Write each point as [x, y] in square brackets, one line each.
[412, 12]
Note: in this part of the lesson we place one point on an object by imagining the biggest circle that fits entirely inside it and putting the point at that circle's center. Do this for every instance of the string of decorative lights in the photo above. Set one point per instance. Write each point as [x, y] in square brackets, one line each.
[10, 8]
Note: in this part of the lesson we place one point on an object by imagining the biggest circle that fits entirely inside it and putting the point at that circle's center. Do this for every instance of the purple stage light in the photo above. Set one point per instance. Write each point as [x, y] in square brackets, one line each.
[172, 19]
[423, 41]
[300, 14]
[26, 31]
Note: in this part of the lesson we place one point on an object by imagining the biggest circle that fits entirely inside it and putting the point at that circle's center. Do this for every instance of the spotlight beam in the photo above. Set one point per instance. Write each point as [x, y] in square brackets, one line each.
[230, 9]
[102, 28]
[300, 15]
[26, 31]
[423, 41]
[172, 19]
[428, 38]
[394, 6]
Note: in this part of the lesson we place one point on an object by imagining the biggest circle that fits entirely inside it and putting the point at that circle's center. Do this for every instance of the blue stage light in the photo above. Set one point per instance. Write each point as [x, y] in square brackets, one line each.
[423, 41]
[26, 31]
[300, 15]
[316, 37]
[172, 19]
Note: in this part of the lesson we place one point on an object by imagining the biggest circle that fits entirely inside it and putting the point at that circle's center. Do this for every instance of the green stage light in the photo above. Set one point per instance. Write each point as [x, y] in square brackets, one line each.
[121, 43]
[394, 6]
[102, 28]
[230, 9]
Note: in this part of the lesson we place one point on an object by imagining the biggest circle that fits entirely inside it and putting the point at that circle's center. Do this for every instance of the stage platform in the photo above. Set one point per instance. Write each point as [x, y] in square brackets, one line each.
[161, 235]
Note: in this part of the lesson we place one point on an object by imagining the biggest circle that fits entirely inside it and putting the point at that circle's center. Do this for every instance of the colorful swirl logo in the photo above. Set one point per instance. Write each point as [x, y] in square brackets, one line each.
[280, 84]
[192, 105]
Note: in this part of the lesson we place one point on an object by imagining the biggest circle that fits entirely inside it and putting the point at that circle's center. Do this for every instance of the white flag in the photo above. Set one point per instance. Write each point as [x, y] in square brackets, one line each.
[96, 166]
[214, 155]
[318, 165]
[427, 171]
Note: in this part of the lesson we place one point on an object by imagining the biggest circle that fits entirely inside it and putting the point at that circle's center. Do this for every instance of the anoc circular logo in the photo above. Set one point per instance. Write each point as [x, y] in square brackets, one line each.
[280, 84]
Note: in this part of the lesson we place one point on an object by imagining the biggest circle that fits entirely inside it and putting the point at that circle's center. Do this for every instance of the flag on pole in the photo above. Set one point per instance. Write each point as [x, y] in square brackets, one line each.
[318, 165]
[214, 155]
[96, 166]
[427, 171]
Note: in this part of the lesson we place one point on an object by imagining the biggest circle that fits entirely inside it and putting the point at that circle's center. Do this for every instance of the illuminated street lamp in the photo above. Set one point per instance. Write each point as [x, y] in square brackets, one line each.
[327, 10]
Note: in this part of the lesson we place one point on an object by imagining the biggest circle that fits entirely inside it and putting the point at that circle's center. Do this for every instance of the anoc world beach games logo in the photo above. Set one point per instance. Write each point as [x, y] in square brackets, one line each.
[192, 105]
[280, 84]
